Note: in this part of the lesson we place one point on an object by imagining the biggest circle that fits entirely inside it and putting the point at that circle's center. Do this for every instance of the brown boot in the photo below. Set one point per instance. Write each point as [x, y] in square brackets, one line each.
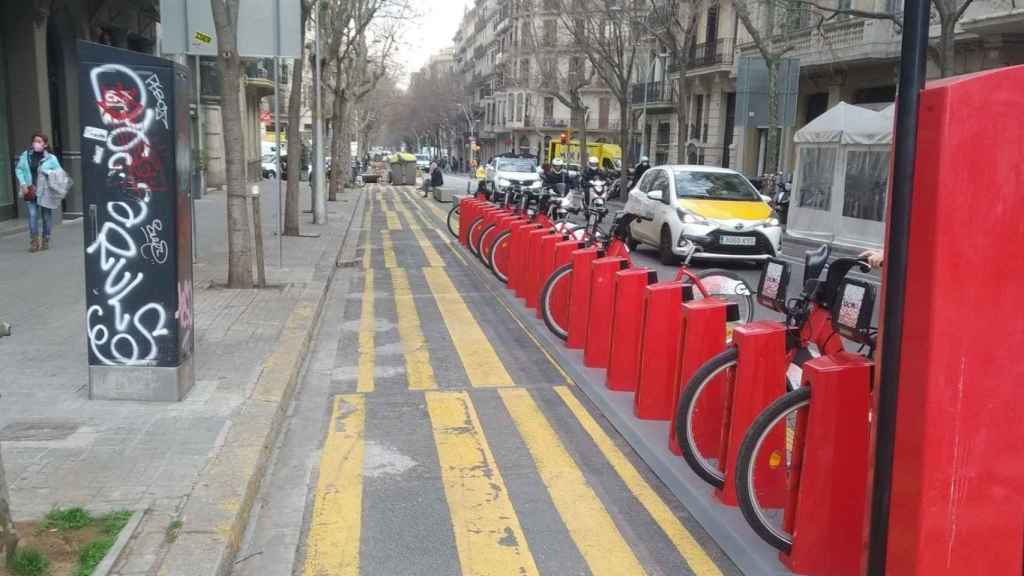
[46, 243]
[34, 246]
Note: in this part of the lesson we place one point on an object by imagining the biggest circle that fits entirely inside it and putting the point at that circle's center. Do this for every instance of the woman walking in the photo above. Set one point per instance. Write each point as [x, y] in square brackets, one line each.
[32, 171]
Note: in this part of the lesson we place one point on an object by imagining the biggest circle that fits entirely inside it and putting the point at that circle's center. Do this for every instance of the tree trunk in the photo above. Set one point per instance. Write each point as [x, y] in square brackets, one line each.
[293, 196]
[578, 119]
[626, 142]
[947, 45]
[771, 159]
[338, 169]
[225, 16]
[8, 538]
[345, 148]
[682, 118]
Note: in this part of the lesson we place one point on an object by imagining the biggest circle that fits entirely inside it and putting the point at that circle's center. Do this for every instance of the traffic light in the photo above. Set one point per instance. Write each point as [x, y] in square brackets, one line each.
[564, 138]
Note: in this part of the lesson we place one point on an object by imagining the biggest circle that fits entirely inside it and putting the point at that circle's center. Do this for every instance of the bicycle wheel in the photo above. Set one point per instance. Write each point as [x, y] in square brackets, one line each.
[774, 446]
[474, 235]
[729, 286]
[485, 244]
[453, 220]
[554, 301]
[501, 253]
[715, 372]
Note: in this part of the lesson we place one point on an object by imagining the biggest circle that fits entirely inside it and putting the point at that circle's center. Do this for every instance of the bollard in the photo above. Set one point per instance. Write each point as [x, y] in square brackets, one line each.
[828, 501]
[540, 245]
[659, 345]
[469, 208]
[558, 299]
[529, 266]
[627, 326]
[760, 379]
[704, 334]
[579, 299]
[486, 214]
[599, 323]
[517, 259]
[545, 264]
[500, 225]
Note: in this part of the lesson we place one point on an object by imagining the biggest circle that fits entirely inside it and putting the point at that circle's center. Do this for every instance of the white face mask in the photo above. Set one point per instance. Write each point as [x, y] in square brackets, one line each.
[37, 146]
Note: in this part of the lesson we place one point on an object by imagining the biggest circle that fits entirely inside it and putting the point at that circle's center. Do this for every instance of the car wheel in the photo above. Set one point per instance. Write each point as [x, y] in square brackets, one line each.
[665, 248]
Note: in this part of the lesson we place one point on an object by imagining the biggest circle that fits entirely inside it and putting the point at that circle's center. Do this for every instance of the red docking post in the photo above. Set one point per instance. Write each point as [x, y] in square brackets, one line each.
[579, 299]
[599, 323]
[544, 264]
[517, 258]
[627, 327]
[529, 266]
[662, 327]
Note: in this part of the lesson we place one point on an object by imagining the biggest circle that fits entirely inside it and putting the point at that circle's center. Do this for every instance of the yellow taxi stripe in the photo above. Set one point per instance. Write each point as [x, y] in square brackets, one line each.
[332, 544]
[418, 371]
[388, 248]
[700, 563]
[488, 537]
[483, 367]
[598, 539]
[367, 332]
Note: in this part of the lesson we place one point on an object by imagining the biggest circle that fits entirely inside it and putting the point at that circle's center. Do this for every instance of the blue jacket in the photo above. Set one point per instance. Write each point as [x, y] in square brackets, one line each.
[24, 173]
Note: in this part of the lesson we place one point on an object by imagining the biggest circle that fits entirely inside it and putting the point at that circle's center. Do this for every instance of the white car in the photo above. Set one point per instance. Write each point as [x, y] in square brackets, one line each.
[422, 162]
[715, 212]
[508, 171]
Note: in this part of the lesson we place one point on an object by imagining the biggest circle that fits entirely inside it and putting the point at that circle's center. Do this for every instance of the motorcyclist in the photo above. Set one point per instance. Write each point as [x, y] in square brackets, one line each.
[638, 171]
[556, 175]
[590, 173]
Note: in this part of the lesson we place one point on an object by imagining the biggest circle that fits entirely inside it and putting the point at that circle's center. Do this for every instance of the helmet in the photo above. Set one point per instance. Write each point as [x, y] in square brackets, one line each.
[557, 164]
[592, 162]
[645, 160]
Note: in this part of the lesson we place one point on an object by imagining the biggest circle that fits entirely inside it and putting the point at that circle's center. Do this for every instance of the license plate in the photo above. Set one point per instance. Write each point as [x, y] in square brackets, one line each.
[737, 240]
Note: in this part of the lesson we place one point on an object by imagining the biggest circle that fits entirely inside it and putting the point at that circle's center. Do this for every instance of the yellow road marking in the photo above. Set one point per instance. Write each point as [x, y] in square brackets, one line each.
[695, 556]
[433, 258]
[392, 218]
[442, 231]
[388, 248]
[488, 536]
[368, 226]
[367, 330]
[332, 546]
[483, 367]
[599, 541]
[417, 358]
[444, 236]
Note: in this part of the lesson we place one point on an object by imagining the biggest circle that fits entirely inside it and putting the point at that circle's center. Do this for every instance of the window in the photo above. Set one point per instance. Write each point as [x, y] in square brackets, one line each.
[867, 179]
[660, 182]
[817, 103]
[524, 72]
[664, 129]
[711, 31]
[698, 117]
[714, 185]
[817, 171]
[645, 183]
[550, 32]
[519, 107]
[549, 107]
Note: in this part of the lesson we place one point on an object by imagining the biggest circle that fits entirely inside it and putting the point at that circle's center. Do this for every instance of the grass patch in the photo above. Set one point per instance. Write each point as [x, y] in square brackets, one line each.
[172, 530]
[90, 556]
[64, 519]
[30, 562]
[111, 524]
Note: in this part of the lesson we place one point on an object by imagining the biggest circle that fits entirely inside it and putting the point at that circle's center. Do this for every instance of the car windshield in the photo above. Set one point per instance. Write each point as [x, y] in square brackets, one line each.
[268, 158]
[515, 165]
[714, 185]
[422, 158]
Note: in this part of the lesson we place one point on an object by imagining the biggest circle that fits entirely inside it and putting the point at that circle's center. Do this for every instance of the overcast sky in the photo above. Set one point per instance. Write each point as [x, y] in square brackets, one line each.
[437, 24]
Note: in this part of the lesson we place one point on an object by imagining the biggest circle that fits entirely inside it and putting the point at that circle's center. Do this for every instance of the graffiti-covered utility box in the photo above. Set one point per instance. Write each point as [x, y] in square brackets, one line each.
[136, 162]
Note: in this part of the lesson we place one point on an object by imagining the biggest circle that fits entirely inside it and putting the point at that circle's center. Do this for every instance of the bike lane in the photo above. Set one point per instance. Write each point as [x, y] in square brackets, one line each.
[448, 441]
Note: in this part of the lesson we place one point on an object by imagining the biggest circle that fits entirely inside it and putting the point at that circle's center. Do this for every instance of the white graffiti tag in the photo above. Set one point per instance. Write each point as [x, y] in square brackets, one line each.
[119, 344]
[154, 249]
[157, 89]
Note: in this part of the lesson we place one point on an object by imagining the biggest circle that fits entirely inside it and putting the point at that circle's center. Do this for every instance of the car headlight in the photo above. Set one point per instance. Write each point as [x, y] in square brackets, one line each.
[690, 217]
[771, 222]
[535, 184]
[503, 182]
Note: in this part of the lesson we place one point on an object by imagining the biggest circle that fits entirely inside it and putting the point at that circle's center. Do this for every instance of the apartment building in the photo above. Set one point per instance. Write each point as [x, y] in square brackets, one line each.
[500, 48]
[844, 59]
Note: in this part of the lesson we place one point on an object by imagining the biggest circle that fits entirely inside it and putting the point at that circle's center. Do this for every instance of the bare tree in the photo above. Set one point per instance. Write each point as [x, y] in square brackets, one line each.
[225, 19]
[609, 33]
[8, 537]
[292, 194]
[673, 24]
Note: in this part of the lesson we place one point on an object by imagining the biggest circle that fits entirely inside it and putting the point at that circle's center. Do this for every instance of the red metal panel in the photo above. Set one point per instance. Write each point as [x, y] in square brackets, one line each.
[703, 337]
[579, 300]
[529, 265]
[627, 327]
[830, 487]
[957, 503]
[501, 224]
[558, 300]
[599, 326]
[546, 263]
[760, 379]
[467, 213]
[663, 316]
[517, 257]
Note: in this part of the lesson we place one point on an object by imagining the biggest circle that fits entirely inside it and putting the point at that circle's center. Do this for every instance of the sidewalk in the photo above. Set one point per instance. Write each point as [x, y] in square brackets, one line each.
[197, 461]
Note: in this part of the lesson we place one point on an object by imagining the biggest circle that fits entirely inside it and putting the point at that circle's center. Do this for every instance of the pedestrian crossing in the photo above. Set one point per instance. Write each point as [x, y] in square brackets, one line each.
[448, 401]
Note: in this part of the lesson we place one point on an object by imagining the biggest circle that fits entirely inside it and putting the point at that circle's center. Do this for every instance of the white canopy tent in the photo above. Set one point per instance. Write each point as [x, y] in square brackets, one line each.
[842, 176]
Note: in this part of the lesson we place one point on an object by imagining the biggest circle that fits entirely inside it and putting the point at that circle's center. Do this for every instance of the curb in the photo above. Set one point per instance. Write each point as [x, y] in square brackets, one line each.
[114, 554]
[215, 517]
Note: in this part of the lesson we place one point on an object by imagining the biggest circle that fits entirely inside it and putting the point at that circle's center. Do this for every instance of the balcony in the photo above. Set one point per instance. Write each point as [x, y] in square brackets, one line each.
[552, 122]
[592, 123]
[718, 53]
[654, 93]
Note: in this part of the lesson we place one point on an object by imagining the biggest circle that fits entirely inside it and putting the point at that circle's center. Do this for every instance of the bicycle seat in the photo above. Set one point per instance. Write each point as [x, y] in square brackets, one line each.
[815, 261]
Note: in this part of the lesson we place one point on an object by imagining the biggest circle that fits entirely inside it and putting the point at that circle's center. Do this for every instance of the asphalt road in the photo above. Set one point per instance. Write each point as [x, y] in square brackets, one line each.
[432, 434]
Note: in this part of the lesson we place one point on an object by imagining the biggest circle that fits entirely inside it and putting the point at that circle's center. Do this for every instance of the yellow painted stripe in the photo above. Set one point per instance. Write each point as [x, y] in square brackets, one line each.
[488, 537]
[599, 541]
[392, 218]
[483, 367]
[433, 258]
[417, 358]
[368, 226]
[700, 563]
[441, 231]
[388, 248]
[332, 545]
[367, 332]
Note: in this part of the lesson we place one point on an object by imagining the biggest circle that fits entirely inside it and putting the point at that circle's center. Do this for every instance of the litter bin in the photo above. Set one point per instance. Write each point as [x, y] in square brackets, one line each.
[402, 169]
